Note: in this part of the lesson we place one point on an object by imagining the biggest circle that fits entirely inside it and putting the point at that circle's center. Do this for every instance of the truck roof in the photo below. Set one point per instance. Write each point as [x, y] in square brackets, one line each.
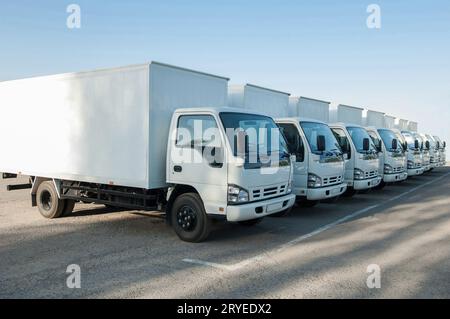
[217, 110]
[299, 119]
[130, 66]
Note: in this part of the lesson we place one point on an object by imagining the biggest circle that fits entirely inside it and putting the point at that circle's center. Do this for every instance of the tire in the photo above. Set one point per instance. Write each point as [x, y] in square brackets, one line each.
[308, 203]
[331, 200]
[350, 192]
[283, 213]
[69, 205]
[381, 185]
[365, 191]
[250, 222]
[49, 205]
[188, 218]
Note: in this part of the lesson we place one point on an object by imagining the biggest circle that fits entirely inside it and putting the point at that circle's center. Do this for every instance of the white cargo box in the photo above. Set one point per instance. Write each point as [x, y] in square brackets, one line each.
[349, 114]
[413, 126]
[106, 126]
[402, 124]
[310, 108]
[375, 119]
[266, 101]
[389, 121]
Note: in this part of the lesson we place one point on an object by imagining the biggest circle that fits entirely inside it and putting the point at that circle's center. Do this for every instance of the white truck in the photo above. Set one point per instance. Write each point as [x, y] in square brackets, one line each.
[442, 149]
[391, 153]
[433, 150]
[417, 161]
[319, 165]
[362, 162]
[144, 137]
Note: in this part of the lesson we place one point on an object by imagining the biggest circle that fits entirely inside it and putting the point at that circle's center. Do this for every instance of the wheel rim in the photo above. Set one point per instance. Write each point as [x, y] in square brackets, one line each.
[46, 200]
[187, 218]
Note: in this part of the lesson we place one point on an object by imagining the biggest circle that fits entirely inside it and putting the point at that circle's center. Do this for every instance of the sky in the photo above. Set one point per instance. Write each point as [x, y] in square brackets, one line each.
[321, 49]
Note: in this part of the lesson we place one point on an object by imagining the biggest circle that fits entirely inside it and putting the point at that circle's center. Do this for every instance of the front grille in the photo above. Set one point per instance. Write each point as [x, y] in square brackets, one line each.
[268, 192]
[329, 181]
[371, 174]
[399, 169]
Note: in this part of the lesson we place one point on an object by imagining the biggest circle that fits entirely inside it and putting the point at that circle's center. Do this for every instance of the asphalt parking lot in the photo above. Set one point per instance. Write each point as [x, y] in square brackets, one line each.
[320, 252]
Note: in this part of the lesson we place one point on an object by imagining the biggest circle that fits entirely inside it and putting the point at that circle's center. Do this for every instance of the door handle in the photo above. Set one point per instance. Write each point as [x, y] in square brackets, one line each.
[177, 168]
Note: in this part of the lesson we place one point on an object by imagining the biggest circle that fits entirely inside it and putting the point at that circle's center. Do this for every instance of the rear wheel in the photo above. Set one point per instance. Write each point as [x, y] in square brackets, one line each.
[250, 222]
[48, 202]
[189, 219]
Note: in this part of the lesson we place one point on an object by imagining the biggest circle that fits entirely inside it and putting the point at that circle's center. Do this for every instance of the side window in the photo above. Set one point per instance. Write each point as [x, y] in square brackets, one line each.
[294, 141]
[343, 141]
[198, 131]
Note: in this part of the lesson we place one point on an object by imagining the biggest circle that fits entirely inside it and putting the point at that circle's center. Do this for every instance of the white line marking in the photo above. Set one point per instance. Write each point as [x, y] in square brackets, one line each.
[295, 241]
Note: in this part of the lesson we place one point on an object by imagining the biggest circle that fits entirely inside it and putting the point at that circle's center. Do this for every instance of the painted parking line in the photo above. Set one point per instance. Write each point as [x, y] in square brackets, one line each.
[260, 257]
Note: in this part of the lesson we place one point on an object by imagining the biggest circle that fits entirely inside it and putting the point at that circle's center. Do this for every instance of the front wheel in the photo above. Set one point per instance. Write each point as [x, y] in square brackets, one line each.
[308, 203]
[350, 192]
[381, 185]
[189, 219]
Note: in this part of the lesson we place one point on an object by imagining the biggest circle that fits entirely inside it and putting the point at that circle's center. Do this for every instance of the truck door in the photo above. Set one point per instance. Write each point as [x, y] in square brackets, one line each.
[197, 159]
[296, 147]
[344, 143]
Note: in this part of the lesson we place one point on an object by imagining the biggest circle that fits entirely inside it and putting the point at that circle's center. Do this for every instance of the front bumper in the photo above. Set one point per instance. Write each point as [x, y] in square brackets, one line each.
[392, 178]
[434, 165]
[366, 183]
[416, 171]
[266, 207]
[325, 192]
[427, 167]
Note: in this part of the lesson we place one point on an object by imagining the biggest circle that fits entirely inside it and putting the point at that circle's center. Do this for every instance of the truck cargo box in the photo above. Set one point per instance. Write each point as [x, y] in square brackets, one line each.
[266, 101]
[375, 119]
[389, 121]
[310, 108]
[402, 124]
[349, 114]
[413, 126]
[106, 126]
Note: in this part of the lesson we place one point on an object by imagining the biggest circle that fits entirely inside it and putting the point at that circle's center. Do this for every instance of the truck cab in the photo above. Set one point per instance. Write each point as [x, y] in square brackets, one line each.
[361, 157]
[416, 163]
[442, 146]
[391, 154]
[236, 160]
[433, 150]
[319, 163]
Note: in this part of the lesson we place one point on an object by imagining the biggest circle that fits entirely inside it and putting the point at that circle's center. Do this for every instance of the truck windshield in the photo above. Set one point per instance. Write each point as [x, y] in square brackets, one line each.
[312, 130]
[388, 137]
[410, 140]
[358, 134]
[263, 139]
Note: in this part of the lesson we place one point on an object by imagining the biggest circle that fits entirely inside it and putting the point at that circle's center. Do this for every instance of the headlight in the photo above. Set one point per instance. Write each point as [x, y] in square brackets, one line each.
[358, 174]
[289, 188]
[410, 164]
[388, 169]
[237, 195]
[314, 181]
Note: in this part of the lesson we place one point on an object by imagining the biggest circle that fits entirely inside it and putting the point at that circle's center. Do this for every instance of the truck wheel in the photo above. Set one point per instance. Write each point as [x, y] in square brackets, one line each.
[48, 202]
[283, 213]
[381, 185]
[250, 222]
[69, 205]
[365, 191]
[350, 192]
[308, 203]
[189, 219]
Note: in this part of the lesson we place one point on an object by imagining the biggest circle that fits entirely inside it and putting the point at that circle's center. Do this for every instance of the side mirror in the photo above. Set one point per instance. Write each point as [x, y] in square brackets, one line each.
[438, 145]
[321, 146]
[394, 144]
[427, 145]
[345, 156]
[444, 144]
[416, 144]
[366, 144]
[242, 143]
